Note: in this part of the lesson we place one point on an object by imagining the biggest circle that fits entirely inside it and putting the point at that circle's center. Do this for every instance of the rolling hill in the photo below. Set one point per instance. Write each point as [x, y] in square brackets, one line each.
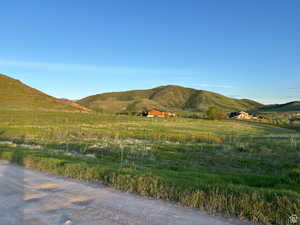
[281, 108]
[171, 97]
[14, 95]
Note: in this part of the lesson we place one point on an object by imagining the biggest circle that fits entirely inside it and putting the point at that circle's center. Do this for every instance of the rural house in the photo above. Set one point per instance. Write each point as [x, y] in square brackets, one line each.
[242, 115]
[159, 113]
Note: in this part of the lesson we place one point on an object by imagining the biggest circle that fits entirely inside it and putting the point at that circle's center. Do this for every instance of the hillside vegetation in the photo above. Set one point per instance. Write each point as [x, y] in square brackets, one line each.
[14, 95]
[171, 97]
[281, 108]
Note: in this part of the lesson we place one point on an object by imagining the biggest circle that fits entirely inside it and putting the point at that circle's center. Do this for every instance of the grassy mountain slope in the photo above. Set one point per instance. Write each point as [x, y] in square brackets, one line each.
[287, 107]
[14, 95]
[171, 97]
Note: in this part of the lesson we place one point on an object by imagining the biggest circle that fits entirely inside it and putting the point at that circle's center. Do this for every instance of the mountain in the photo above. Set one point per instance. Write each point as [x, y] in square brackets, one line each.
[171, 97]
[281, 108]
[14, 95]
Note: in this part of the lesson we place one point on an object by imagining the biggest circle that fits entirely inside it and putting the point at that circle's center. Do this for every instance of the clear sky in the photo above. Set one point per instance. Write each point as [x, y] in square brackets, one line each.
[75, 48]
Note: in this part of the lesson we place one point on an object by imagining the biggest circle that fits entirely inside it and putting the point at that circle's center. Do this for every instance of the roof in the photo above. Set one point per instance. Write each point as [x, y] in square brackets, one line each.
[160, 110]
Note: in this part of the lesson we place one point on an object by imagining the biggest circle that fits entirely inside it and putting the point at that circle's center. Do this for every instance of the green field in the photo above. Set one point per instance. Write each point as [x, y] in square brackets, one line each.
[60, 125]
[246, 170]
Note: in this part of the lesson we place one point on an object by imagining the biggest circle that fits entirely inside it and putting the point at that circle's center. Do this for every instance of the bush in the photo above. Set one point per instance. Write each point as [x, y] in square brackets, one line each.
[214, 113]
[294, 176]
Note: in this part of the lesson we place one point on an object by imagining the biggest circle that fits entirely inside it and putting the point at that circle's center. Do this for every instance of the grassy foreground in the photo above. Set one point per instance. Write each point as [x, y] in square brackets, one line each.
[238, 169]
[264, 190]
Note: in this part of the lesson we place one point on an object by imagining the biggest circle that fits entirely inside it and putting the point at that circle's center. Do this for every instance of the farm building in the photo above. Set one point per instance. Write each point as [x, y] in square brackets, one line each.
[159, 113]
[242, 115]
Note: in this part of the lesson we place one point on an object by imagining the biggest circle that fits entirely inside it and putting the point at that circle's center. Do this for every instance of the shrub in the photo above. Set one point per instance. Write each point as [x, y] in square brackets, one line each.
[214, 113]
[294, 176]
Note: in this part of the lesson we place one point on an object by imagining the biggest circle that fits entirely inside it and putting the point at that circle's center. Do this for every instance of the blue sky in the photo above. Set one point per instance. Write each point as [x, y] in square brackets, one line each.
[73, 48]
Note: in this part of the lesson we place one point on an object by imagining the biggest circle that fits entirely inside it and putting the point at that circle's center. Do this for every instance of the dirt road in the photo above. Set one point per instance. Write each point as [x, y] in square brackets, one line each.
[32, 198]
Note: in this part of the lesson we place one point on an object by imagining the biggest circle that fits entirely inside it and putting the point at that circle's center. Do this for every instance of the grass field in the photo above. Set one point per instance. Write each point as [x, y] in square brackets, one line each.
[65, 125]
[239, 169]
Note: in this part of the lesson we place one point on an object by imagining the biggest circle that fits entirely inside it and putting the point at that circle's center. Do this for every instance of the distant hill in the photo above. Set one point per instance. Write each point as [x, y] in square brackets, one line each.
[281, 108]
[14, 95]
[171, 97]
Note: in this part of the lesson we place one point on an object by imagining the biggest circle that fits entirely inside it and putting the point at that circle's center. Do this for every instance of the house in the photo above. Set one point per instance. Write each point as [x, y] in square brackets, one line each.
[242, 115]
[159, 113]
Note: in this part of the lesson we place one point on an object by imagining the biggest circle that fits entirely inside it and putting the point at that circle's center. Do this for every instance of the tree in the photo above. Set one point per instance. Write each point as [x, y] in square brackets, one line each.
[215, 113]
[132, 109]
